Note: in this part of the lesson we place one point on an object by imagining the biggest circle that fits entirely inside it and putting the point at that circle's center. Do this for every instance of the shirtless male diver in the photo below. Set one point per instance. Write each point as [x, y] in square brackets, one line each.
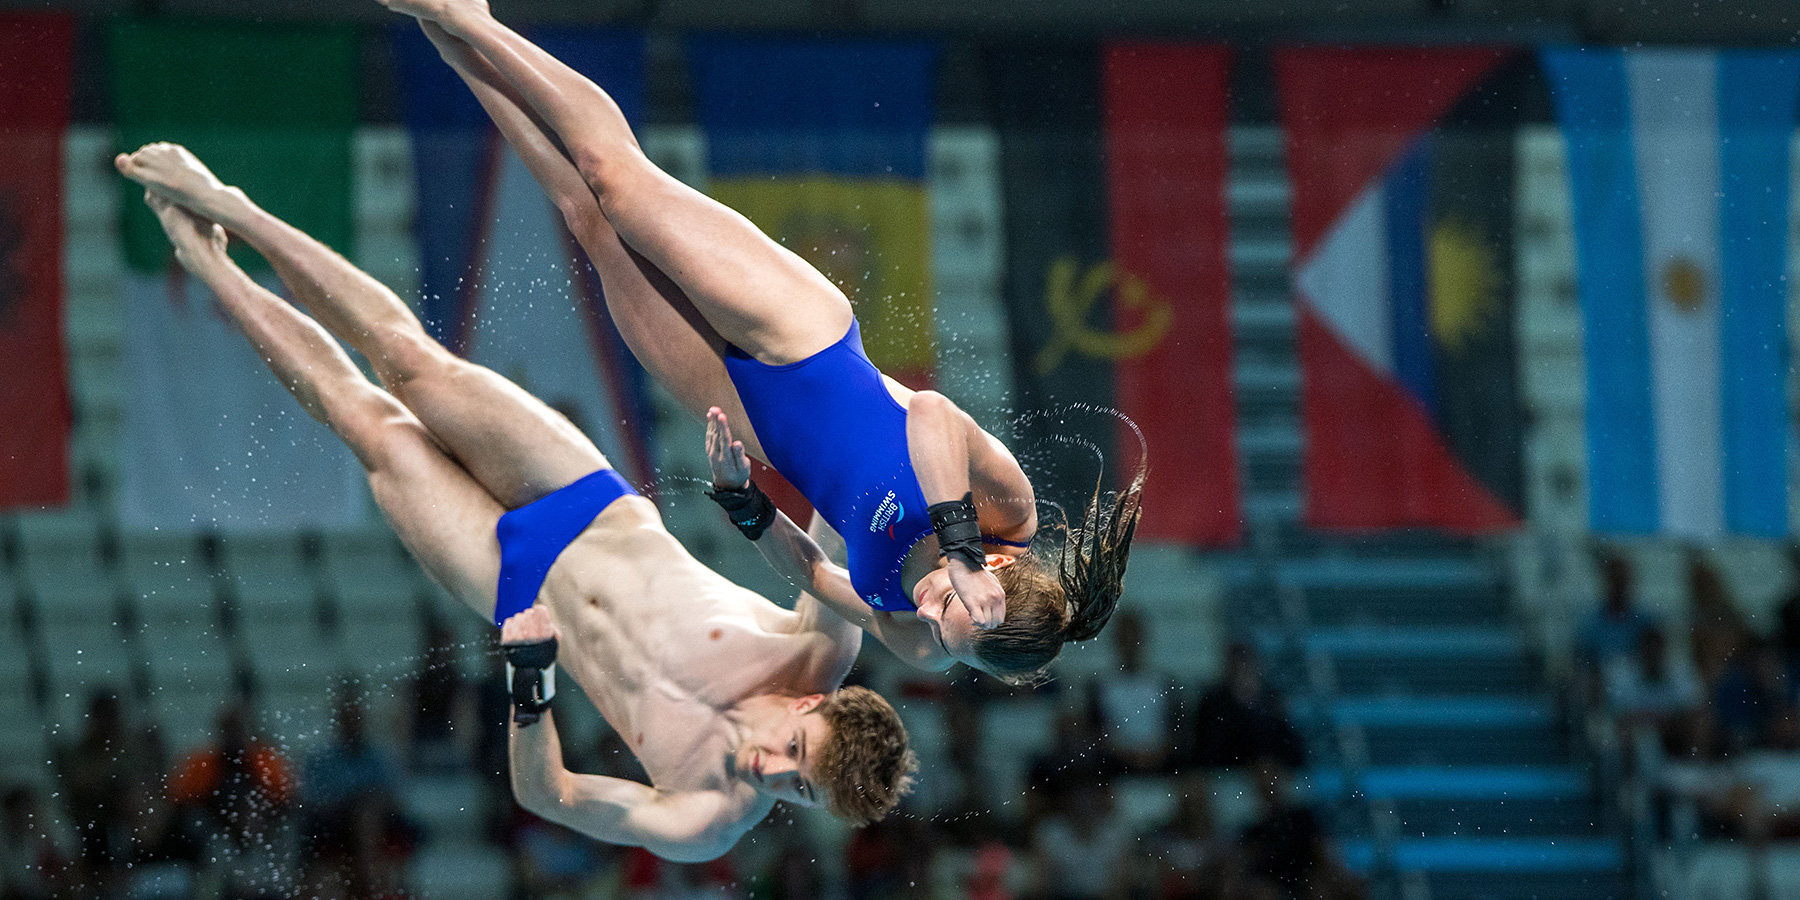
[729, 701]
[944, 559]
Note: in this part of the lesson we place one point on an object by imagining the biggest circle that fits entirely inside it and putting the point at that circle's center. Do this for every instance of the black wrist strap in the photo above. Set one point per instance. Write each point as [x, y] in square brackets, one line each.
[531, 675]
[748, 507]
[958, 534]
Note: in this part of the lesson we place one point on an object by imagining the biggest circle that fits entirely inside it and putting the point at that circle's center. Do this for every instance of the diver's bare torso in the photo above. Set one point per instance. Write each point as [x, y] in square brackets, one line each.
[665, 647]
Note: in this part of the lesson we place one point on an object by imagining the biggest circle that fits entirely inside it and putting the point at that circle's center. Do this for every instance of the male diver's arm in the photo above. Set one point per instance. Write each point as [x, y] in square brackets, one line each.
[692, 826]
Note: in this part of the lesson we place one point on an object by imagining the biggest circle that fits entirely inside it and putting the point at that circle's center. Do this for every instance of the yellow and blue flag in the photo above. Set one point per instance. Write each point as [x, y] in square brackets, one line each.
[823, 145]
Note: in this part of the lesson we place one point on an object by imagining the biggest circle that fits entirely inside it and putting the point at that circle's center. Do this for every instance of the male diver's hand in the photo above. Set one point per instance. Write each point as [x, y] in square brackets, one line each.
[530, 625]
[980, 593]
[730, 465]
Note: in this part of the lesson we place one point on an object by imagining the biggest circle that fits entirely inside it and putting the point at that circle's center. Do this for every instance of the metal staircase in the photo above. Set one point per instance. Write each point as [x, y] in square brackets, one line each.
[1439, 752]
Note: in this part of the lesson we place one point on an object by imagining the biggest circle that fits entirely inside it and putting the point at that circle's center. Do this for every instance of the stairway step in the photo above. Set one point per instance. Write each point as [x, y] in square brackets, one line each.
[1447, 644]
[1444, 712]
[1548, 855]
[1506, 672]
[1421, 744]
[1498, 817]
[1459, 782]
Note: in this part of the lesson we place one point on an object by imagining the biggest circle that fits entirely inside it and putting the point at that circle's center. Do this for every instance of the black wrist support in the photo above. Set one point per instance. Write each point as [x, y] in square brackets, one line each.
[959, 537]
[748, 507]
[533, 680]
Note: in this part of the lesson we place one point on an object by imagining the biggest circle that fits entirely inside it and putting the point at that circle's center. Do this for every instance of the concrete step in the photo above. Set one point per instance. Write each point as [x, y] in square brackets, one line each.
[1450, 731]
[1546, 868]
[1476, 801]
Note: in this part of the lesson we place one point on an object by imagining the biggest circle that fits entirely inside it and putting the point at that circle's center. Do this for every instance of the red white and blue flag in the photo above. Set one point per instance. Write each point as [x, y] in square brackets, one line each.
[1402, 288]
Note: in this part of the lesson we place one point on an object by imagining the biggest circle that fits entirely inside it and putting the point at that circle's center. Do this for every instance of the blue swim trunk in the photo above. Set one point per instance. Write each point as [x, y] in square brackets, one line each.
[534, 535]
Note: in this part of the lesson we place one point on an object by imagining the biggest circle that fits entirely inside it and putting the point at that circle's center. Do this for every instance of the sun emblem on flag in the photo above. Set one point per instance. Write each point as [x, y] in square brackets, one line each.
[1684, 283]
[1465, 281]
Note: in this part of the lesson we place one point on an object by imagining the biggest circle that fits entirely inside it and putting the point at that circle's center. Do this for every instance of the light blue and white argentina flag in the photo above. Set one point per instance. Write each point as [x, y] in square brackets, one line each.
[1679, 167]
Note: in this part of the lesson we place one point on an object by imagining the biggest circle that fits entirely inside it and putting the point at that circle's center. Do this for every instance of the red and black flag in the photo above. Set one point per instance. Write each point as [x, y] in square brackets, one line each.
[36, 56]
[1113, 170]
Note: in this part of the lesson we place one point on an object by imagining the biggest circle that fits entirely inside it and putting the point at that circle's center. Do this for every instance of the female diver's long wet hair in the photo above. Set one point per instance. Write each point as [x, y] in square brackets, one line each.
[1050, 603]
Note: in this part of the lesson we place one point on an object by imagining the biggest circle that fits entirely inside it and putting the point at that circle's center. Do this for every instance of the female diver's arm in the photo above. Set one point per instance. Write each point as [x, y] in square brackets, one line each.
[801, 558]
[938, 442]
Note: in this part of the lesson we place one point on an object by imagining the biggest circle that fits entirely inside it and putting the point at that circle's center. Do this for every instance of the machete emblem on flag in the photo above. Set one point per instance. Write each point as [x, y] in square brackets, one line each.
[1070, 295]
[12, 279]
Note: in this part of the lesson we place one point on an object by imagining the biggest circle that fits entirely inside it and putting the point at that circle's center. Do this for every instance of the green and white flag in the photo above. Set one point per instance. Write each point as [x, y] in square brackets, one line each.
[211, 438]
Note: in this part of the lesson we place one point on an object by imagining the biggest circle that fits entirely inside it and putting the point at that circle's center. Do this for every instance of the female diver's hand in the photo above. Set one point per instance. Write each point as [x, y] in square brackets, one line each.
[980, 593]
[730, 465]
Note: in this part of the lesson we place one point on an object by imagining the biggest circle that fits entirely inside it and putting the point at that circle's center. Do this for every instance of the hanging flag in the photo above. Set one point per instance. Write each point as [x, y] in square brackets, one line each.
[1399, 160]
[504, 283]
[1117, 278]
[36, 53]
[1679, 168]
[211, 439]
[822, 145]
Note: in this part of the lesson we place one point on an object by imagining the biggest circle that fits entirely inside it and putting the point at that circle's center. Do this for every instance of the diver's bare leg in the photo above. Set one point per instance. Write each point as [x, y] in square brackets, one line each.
[664, 330]
[757, 294]
[515, 446]
[442, 515]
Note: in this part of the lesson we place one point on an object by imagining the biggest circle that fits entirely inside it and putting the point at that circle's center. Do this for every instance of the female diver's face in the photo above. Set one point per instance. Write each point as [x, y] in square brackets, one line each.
[944, 612]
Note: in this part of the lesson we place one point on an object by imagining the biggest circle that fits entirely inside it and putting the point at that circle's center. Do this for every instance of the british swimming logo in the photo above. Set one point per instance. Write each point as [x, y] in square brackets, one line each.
[887, 513]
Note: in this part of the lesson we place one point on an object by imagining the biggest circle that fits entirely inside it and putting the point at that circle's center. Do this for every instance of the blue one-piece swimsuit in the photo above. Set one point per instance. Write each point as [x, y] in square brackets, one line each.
[828, 424]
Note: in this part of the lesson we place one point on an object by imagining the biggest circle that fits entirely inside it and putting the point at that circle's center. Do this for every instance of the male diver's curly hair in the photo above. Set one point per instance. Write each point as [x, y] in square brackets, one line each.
[1048, 605]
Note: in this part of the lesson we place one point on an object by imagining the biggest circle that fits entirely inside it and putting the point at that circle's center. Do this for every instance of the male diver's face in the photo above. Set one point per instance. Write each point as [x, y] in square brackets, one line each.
[781, 760]
[945, 613]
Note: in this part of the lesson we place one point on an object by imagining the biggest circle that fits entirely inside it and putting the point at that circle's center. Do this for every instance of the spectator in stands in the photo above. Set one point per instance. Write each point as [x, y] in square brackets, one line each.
[1611, 631]
[239, 770]
[1719, 630]
[1241, 720]
[1133, 707]
[1752, 695]
[349, 791]
[442, 705]
[1187, 858]
[254, 853]
[1754, 794]
[1081, 850]
[163, 849]
[1650, 689]
[551, 861]
[1787, 621]
[96, 770]
[1287, 846]
[33, 865]
[1076, 756]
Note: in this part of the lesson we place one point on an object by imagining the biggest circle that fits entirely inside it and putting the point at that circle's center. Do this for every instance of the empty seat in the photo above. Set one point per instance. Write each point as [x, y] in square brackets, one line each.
[458, 871]
[189, 661]
[369, 569]
[381, 648]
[270, 574]
[22, 740]
[63, 565]
[80, 657]
[447, 806]
[290, 658]
[158, 564]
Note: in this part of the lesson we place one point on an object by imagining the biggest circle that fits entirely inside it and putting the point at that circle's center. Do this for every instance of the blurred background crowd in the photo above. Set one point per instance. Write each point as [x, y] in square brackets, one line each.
[1456, 331]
